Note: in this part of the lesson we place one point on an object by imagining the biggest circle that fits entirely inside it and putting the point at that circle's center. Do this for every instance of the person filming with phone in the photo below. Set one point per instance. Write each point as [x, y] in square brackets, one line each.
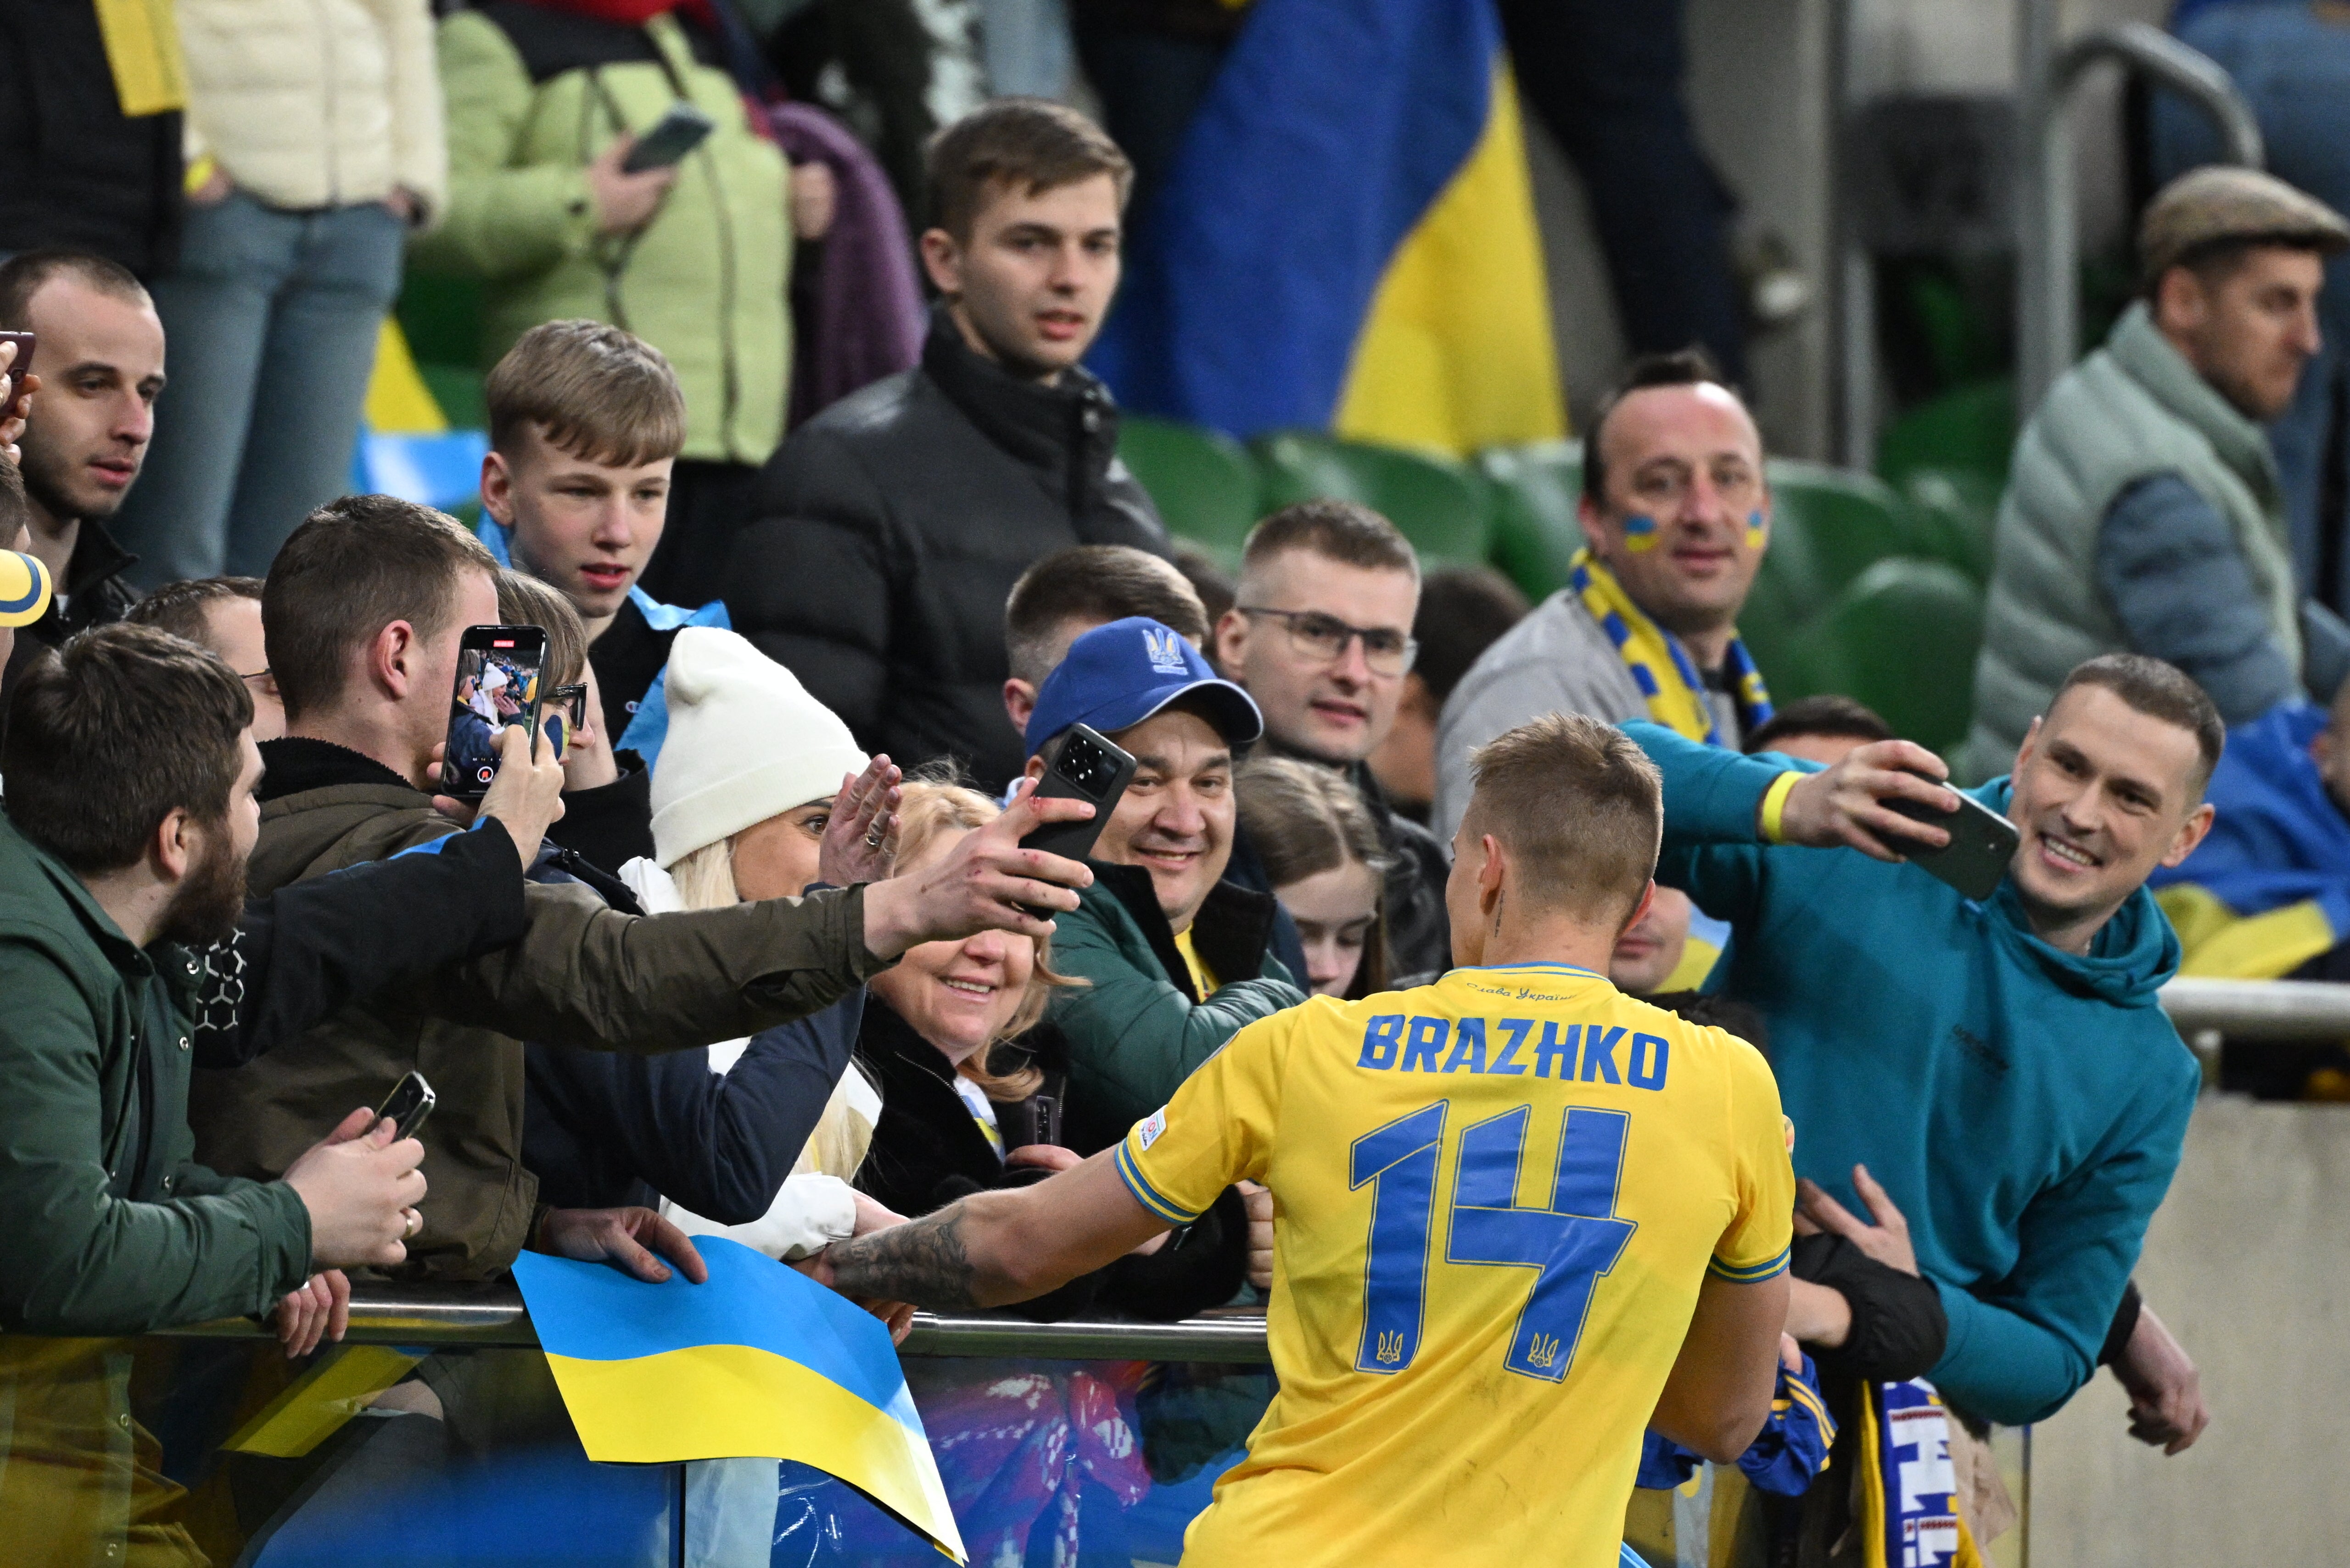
[1984, 1072]
[1175, 958]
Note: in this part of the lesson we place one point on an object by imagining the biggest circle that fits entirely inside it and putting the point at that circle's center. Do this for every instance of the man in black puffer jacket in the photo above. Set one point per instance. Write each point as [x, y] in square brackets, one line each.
[889, 530]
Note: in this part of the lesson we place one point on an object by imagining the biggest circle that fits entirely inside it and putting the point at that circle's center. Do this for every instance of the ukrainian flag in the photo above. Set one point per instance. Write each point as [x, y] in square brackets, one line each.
[1347, 239]
[760, 1362]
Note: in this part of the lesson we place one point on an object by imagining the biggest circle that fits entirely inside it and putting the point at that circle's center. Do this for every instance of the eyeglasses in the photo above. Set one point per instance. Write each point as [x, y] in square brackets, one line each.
[573, 700]
[1324, 639]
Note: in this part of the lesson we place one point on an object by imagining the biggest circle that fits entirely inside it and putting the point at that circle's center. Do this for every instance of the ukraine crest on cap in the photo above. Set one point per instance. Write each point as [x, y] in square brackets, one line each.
[23, 589]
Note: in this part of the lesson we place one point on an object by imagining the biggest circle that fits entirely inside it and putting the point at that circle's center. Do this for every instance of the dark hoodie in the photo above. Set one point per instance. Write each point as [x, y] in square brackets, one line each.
[2024, 1108]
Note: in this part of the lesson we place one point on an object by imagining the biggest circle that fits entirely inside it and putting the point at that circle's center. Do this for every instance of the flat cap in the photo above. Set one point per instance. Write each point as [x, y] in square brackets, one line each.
[2222, 203]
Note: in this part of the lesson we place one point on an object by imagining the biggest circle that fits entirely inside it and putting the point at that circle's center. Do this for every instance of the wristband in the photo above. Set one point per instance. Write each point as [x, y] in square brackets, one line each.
[1775, 802]
[200, 173]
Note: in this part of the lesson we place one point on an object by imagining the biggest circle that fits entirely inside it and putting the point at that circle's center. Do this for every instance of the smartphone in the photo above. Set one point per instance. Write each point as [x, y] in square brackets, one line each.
[16, 373]
[1082, 765]
[498, 672]
[675, 134]
[409, 1104]
[1982, 844]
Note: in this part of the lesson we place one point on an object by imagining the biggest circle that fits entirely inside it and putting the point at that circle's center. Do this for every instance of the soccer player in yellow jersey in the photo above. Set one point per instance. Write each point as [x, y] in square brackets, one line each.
[1521, 1216]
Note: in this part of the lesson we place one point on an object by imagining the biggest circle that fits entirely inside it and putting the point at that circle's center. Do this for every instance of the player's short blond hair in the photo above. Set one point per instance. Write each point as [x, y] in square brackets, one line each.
[1580, 809]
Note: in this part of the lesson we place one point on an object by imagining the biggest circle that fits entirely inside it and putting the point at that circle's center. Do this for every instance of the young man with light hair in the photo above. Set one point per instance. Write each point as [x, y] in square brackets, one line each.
[1523, 1216]
[585, 424]
[1320, 636]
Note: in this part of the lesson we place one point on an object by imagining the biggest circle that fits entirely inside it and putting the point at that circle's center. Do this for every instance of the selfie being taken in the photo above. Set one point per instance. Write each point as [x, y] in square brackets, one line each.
[1207, 783]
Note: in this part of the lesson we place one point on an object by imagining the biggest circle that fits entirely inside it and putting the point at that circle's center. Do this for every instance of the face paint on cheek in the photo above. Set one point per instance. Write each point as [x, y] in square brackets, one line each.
[1640, 532]
[1757, 530]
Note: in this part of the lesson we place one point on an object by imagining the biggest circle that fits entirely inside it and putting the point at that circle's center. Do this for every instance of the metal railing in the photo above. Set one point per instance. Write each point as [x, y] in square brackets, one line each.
[2048, 316]
[388, 1313]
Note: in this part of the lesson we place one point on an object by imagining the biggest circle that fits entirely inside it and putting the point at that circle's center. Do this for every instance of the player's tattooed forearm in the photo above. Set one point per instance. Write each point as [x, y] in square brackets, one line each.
[921, 1262]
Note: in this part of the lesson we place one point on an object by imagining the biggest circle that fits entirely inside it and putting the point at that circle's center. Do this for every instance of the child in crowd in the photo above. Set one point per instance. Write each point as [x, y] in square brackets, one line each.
[1323, 851]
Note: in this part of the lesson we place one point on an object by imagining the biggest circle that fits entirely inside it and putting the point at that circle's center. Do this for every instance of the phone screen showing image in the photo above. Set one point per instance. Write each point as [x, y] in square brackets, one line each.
[498, 670]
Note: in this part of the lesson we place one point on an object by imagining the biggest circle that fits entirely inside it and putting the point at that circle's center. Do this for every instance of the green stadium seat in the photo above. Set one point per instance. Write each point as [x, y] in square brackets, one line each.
[1203, 481]
[1442, 508]
[1971, 427]
[1831, 525]
[1957, 507]
[1902, 637]
[1535, 490]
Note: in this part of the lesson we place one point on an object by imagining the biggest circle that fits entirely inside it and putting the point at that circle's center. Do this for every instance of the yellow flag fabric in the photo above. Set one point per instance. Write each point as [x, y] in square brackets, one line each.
[398, 400]
[143, 49]
[1456, 353]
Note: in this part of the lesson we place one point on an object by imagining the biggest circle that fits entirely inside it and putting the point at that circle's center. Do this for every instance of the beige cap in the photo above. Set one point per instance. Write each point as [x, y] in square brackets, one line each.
[2224, 201]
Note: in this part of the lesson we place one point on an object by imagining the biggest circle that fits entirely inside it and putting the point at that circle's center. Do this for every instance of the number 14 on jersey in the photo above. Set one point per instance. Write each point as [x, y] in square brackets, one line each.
[1569, 1243]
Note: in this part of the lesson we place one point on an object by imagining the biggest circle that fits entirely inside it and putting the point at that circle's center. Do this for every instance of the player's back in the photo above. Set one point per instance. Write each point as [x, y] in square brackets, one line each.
[1495, 1199]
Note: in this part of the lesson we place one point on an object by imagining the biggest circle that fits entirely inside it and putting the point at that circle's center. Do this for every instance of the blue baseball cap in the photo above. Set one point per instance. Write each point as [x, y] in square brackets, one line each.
[1116, 676]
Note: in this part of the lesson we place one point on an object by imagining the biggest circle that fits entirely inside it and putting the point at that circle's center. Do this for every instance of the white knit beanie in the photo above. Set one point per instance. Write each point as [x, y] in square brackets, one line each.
[745, 743]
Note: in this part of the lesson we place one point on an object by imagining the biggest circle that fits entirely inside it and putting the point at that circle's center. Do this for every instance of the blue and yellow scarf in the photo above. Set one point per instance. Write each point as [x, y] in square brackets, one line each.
[1661, 666]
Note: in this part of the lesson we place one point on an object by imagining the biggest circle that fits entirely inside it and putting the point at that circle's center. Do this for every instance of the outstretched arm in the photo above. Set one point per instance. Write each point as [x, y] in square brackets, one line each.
[1719, 1394]
[994, 1248]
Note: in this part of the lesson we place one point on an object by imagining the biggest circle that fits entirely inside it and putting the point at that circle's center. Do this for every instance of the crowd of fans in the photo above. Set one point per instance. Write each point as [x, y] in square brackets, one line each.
[743, 940]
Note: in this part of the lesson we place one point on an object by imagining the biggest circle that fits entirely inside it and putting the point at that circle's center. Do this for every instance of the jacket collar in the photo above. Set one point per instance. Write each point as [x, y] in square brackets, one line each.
[1231, 932]
[47, 870]
[295, 763]
[2153, 361]
[1067, 433]
[498, 539]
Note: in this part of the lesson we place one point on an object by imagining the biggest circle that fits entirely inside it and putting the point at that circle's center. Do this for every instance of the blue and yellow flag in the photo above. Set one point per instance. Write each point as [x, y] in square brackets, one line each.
[760, 1362]
[1347, 239]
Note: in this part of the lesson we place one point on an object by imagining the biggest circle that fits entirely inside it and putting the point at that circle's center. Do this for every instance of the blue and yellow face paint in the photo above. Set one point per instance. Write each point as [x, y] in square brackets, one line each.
[1640, 532]
[23, 589]
[1758, 529]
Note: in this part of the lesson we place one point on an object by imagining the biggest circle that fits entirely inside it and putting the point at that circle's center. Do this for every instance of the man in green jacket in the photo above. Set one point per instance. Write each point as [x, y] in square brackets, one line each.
[545, 101]
[1175, 958]
[2143, 513]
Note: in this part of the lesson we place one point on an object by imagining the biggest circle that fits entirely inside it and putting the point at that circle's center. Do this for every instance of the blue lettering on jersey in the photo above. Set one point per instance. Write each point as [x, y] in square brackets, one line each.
[1507, 1064]
[1553, 1048]
[1382, 1040]
[1599, 1054]
[1573, 1240]
[1468, 1046]
[1425, 1043]
[1644, 1071]
[1400, 1159]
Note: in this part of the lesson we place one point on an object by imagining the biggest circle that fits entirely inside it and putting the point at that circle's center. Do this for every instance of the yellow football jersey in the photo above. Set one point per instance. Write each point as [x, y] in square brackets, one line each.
[1495, 1197]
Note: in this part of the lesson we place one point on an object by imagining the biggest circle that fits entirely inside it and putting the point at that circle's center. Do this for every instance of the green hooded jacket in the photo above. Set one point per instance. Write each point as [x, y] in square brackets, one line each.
[112, 1229]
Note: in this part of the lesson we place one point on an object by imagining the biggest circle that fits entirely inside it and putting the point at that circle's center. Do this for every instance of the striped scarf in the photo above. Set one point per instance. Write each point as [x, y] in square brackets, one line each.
[1909, 1504]
[1661, 666]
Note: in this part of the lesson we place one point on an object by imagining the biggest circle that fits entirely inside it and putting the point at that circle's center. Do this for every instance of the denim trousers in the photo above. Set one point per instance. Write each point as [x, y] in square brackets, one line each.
[2293, 67]
[270, 325]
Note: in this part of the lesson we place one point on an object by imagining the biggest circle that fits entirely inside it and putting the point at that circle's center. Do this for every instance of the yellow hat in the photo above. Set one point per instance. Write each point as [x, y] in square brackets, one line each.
[23, 589]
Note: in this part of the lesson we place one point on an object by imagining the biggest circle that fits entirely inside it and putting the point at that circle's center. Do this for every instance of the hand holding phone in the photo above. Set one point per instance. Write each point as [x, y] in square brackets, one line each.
[408, 1106]
[498, 670]
[1982, 844]
[1083, 764]
[678, 132]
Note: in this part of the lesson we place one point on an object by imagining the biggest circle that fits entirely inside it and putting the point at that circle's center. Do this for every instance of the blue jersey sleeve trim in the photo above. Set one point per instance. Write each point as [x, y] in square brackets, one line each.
[1148, 1195]
[1752, 1274]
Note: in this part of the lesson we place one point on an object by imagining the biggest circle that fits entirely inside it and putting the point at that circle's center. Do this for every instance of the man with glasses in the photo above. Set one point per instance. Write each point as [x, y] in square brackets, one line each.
[222, 614]
[1675, 513]
[1320, 636]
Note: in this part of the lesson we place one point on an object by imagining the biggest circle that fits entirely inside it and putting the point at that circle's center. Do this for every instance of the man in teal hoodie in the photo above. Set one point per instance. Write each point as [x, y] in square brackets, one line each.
[2000, 1067]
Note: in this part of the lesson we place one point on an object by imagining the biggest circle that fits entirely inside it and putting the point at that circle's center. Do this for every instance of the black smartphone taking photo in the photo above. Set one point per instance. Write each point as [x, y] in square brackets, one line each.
[1982, 844]
[1082, 765]
[411, 1101]
[675, 134]
[498, 687]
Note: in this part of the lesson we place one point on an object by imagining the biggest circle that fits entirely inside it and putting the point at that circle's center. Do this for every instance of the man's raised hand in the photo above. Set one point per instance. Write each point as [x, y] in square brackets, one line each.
[1845, 805]
[982, 883]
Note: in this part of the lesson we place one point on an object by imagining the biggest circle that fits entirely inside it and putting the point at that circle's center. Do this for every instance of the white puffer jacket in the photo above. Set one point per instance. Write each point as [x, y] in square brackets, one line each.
[316, 103]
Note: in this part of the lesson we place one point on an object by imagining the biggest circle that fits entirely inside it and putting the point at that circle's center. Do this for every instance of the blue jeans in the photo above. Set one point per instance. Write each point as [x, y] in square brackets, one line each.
[2294, 70]
[270, 327]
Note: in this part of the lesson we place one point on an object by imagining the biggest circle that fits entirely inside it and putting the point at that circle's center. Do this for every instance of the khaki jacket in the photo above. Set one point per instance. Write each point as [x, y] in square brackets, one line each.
[582, 975]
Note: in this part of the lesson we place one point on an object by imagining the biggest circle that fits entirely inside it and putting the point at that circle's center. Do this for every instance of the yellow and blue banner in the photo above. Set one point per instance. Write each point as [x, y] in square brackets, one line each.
[1347, 240]
[758, 1362]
